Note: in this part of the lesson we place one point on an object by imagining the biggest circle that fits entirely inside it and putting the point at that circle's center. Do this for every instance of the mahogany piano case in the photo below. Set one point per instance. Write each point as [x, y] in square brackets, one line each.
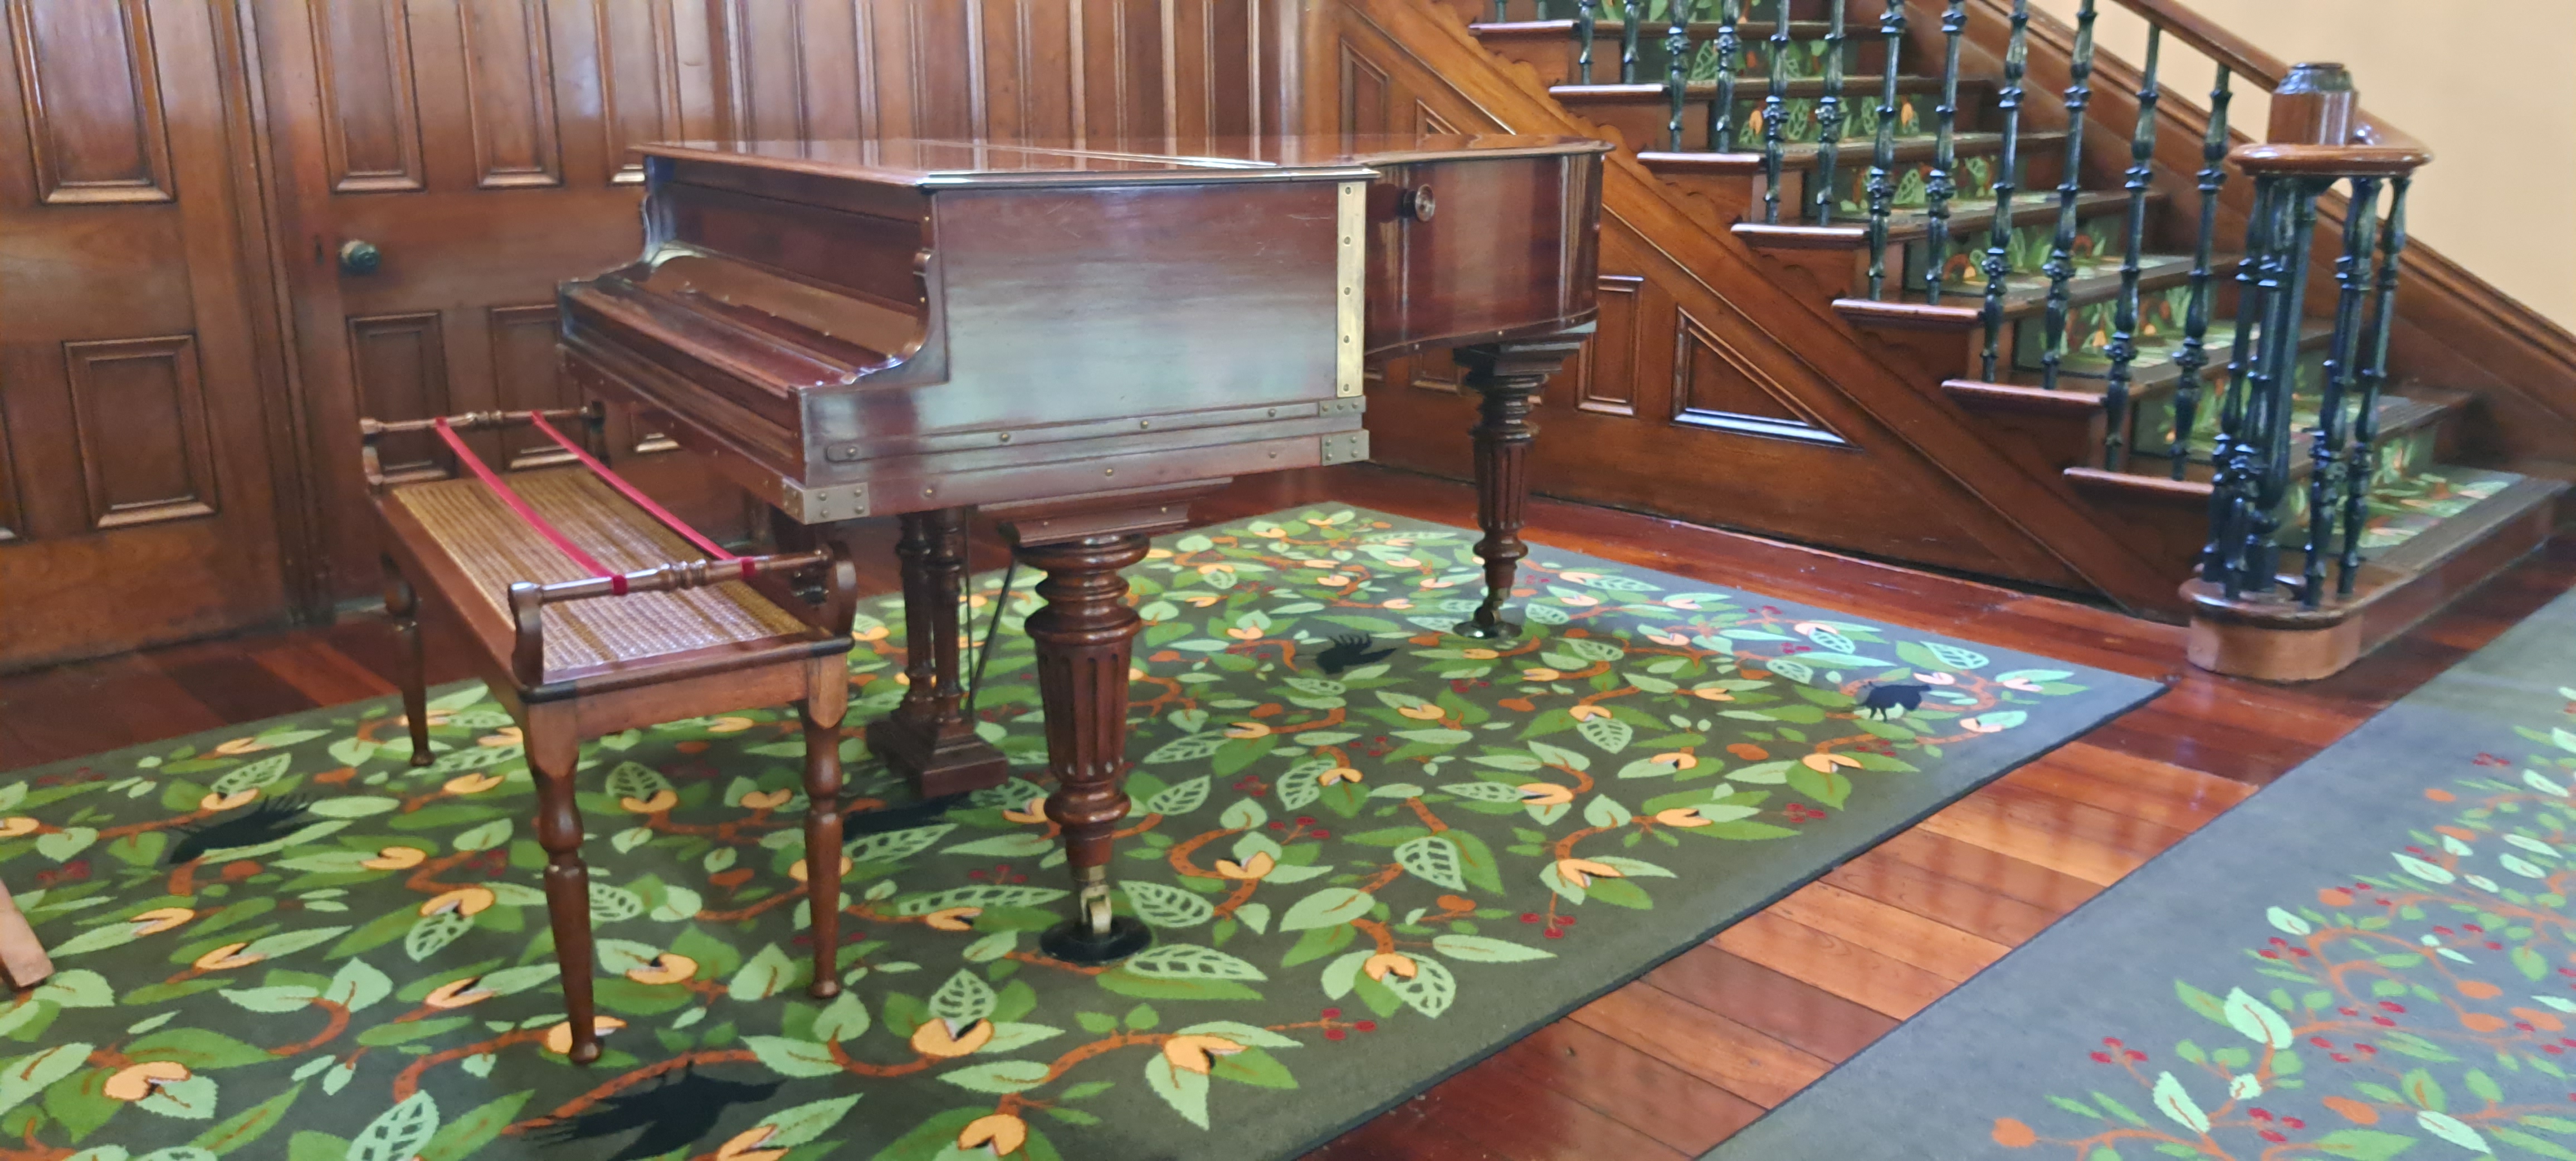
[853, 328]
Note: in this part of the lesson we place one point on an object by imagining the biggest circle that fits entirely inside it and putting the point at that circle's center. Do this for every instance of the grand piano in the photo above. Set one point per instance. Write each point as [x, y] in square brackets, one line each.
[1078, 341]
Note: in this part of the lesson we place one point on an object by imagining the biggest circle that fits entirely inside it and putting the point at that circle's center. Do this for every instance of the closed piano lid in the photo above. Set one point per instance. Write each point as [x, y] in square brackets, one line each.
[939, 162]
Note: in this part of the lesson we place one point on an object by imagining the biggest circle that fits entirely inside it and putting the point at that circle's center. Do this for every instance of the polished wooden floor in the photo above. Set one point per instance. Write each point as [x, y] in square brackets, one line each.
[1673, 1063]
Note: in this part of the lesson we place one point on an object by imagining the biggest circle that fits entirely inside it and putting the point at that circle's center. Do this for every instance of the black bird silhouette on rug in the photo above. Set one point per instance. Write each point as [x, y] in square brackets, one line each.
[1886, 701]
[1350, 651]
[674, 1114]
[267, 822]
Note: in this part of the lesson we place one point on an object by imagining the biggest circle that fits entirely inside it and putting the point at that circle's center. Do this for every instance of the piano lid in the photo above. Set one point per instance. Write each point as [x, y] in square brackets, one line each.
[944, 162]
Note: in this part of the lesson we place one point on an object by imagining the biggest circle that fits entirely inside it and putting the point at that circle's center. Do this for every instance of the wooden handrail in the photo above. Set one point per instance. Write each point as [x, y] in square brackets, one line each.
[2329, 161]
[2239, 55]
[2246, 60]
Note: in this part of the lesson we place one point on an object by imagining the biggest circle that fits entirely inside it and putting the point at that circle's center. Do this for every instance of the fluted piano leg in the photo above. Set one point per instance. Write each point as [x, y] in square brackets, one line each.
[1085, 639]
[1508, 376]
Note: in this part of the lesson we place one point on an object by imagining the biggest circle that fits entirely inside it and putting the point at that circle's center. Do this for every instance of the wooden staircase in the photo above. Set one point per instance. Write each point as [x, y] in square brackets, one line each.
[2098, 475]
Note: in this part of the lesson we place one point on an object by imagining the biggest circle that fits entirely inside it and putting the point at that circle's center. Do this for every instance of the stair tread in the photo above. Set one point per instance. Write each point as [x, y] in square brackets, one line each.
[1750, 32]
[2399, 416]
[1749, 87]
[2448, 507]
[1855, 151]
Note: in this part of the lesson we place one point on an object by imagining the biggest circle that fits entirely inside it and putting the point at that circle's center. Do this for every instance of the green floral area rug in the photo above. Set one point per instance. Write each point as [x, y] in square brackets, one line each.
[1372, 852]
[2374, 958]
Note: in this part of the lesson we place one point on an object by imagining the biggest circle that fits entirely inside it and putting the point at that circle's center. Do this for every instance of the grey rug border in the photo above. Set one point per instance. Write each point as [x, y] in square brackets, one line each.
[2155, 688]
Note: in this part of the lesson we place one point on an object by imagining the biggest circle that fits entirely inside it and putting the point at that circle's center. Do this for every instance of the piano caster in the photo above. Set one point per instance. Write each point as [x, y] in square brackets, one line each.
[1094, 936]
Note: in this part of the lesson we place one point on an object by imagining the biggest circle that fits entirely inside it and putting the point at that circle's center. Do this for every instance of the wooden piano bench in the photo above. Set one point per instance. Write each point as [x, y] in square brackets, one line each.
[592, 611]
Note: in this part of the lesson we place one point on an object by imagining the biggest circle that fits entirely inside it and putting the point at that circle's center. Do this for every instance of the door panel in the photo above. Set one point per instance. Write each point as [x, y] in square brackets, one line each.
[136, 504]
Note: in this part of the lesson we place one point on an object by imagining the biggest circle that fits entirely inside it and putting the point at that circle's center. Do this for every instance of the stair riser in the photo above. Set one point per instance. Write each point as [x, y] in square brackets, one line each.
[2027, 251]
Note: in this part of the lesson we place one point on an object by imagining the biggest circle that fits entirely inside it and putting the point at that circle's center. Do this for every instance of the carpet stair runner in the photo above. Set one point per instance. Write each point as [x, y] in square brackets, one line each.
[2425, 487]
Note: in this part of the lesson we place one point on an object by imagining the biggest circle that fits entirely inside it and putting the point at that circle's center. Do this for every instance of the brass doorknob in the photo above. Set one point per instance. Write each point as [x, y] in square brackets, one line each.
[358, 257]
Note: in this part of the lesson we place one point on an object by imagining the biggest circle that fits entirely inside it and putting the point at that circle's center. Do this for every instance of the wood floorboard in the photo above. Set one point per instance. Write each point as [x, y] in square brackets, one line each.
[1990, 870]
[1889, 930]
[1656, 1098]
[1785, 1008]
[1891, 880]
[1702, 1043]
[1674, 1062]
[1882, 984]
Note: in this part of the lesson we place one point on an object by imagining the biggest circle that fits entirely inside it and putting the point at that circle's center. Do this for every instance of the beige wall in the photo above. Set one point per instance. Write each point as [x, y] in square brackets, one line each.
[2484, 83]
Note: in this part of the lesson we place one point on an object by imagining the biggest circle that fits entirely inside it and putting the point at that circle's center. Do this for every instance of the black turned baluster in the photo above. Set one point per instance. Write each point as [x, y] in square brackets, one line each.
[1677, 72]
[1775, 112]
[1730, 57]
[1829, 123]
[1502, 11]
[2194, 354]
[1587, 20]
[2124, 315]
[2061, 255]
[2335, 466]
[1998, 265]
[1941, 183]
[2233, 455]
[1628, 29]
[2374, 375]
[2276, 375]
[1882, 161]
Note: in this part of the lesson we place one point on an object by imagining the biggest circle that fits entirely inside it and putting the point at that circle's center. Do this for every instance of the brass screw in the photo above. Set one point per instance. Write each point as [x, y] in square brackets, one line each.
[1006, 437]
[1145, 423]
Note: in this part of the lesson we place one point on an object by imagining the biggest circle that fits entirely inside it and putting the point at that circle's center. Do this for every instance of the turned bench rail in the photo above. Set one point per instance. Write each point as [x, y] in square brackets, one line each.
[593, 611]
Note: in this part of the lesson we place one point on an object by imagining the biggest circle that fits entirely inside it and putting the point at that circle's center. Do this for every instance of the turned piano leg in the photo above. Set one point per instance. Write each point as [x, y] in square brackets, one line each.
[1085, 639]
[1508, 376]
[927, 739]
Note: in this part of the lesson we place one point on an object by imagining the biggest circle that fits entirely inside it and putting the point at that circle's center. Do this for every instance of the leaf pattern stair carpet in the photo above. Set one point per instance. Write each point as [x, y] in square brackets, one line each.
[1372, 853]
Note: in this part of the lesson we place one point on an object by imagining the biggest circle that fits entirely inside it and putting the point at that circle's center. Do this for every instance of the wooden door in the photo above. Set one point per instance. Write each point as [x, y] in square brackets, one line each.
[479, 148]
[137, 503]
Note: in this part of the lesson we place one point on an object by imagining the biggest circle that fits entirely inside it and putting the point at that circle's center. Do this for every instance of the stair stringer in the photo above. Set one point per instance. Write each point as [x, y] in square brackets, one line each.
[1996, 512]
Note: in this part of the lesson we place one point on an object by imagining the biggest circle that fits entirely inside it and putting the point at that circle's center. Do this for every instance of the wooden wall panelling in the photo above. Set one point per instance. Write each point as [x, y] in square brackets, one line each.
[657, 76]
[510, 93]
[370, 123]
[398, 364]
[135, 482]
[522, 341]
[90, 93]
[11, 522]
[1605, 375]
[139, 422]
[1718, 389]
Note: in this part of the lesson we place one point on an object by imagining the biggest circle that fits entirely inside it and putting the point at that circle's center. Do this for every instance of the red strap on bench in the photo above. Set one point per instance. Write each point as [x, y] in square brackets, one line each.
[639, 499]
[527, 515]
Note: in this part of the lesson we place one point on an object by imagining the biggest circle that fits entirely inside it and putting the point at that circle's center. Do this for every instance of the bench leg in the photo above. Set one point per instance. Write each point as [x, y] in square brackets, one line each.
[827, 697]
[22, 959]
[403, 605]
[554, 749]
